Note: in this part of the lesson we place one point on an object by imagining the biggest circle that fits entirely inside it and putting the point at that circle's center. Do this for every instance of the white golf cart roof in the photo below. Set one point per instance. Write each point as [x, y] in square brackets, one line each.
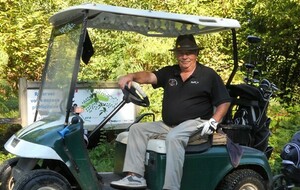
[146, 22]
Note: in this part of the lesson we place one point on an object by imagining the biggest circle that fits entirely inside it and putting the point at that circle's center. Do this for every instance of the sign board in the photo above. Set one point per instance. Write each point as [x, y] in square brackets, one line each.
[96, 102]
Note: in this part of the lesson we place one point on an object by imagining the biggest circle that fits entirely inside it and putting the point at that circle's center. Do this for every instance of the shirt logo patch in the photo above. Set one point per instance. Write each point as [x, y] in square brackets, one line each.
[194, 82]
[173, 82]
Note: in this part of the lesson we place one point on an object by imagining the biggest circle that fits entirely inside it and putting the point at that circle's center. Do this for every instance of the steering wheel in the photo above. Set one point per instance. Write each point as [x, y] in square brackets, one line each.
[136, 95]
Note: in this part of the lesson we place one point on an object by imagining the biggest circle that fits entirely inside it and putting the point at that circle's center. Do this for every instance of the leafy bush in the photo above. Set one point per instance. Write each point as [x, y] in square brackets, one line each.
[8, 100]
[285, 123]
[102, 157]
[6, 131]
[4, 156]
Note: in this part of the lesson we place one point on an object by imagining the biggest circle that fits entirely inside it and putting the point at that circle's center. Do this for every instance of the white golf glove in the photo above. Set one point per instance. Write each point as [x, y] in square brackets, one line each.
[208, 127]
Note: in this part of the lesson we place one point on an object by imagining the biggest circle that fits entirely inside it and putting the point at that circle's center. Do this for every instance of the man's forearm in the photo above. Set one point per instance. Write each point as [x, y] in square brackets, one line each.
[221, 111]
[143, 77]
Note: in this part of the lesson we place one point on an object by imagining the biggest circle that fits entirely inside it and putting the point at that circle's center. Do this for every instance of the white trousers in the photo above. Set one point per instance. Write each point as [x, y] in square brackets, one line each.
[176, 140]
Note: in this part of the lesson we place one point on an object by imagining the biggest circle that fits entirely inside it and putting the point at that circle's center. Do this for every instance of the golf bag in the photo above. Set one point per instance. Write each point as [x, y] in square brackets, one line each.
[291, 158]
[247, 114]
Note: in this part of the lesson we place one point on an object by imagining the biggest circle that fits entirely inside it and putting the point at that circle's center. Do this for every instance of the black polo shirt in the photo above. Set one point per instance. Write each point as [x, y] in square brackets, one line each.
[190, 99]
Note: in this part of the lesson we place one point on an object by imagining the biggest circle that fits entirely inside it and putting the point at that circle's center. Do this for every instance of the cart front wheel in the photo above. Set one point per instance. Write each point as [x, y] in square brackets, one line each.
[6, 179]
[42, 179]
[244, 179]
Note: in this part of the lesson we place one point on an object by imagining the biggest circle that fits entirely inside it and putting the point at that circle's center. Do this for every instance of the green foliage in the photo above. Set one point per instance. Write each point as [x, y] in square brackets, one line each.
[25, 31]
[4, 156]
[23, 39]
[8, 98]
[102, 157]
[278, 55]
[8, 101]
[285, 123]
[6, 131]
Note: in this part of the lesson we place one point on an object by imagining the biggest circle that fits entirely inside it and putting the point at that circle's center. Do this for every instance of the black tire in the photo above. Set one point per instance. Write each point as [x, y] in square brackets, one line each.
[6, 180]
[281, 183]
[42, 179]
[243, 179]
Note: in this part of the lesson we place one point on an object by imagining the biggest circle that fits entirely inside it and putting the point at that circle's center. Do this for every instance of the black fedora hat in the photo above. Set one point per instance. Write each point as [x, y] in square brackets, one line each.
[185, 42]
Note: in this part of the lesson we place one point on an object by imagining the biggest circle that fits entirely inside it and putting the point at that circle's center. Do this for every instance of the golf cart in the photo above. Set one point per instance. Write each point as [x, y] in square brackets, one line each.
[51, 153]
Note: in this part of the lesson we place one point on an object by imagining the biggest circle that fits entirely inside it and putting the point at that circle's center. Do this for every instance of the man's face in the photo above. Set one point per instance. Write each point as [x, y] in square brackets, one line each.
[186, 58]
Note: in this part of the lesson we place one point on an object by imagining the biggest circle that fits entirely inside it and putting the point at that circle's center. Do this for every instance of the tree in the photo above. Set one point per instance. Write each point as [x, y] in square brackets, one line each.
[25, 32]
[277, 23]
[24, 39]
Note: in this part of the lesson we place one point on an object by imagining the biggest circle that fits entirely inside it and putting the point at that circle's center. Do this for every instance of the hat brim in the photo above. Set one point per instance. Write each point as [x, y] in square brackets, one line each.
[185, 49]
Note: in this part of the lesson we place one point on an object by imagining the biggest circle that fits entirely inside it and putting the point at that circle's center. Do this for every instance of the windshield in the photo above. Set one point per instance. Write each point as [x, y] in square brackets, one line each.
[59, 70]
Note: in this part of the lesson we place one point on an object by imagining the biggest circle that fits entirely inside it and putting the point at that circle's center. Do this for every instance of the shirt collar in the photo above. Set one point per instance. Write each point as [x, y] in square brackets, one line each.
[198, 67]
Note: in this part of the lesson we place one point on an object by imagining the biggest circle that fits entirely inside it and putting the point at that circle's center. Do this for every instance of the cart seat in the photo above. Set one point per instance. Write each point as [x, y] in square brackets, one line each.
[196, 143]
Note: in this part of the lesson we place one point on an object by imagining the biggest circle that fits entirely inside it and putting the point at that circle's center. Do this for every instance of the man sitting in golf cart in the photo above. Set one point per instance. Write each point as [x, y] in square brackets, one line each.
[191, 91]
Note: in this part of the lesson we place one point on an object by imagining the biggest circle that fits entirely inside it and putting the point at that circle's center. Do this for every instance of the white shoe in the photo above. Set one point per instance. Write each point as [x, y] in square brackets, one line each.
[130, 181]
